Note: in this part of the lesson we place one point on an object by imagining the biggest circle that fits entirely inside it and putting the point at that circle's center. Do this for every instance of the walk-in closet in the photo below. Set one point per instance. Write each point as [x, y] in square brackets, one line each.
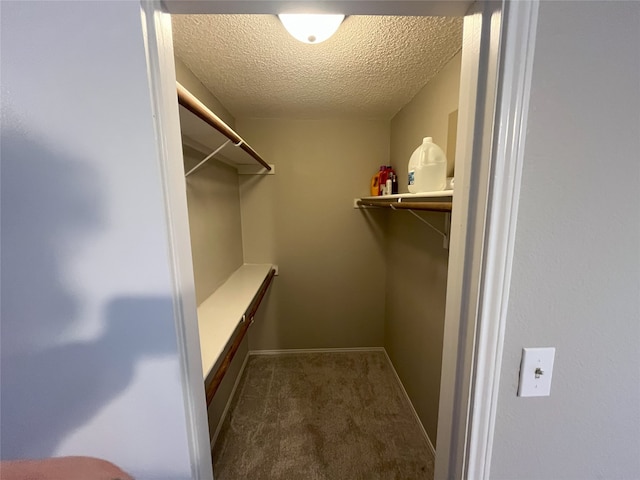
[321, 308]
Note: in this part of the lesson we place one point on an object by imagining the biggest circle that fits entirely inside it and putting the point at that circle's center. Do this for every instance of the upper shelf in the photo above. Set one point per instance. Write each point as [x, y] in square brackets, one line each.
[196, 121]
[429, 201]
[414, 196]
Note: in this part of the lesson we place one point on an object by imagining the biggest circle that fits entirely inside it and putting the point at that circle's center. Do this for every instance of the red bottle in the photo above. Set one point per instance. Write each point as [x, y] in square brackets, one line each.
[384, 174]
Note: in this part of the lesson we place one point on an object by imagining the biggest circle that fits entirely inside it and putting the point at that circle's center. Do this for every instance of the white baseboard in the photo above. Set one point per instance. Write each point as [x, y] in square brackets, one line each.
[229, 400]
[424, 432]
[316, 350]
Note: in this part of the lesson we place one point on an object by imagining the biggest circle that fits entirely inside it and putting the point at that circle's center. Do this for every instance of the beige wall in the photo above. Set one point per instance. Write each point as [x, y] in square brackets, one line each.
[214, 224]
[416, 260]
[330, 292]
[427, 115]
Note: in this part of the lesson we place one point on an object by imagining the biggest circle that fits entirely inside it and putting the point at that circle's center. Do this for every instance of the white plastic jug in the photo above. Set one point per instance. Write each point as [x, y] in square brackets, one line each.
[427, 168]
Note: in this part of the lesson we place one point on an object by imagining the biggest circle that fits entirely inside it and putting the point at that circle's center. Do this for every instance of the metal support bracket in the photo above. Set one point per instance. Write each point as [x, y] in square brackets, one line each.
[447, 226]
[447, 230]
[207, 158]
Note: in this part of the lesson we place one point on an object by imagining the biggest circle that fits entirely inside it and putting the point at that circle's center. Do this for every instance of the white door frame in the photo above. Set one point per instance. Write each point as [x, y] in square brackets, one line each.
[508, 156]
[494, 93]
[484, 219]
[156, 28]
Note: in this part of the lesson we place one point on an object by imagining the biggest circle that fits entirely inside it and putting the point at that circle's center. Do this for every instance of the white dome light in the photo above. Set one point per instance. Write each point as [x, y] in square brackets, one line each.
[311, 28]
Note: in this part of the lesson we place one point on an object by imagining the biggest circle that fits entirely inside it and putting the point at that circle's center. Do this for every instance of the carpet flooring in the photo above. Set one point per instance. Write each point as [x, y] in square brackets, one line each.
[321, 416]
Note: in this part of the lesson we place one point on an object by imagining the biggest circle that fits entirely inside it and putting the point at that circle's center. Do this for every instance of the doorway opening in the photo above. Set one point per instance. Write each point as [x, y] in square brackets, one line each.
[474, 132]
[334, 112]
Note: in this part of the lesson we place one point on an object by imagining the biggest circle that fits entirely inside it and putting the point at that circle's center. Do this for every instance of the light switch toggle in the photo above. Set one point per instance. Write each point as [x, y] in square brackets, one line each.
[536, 368]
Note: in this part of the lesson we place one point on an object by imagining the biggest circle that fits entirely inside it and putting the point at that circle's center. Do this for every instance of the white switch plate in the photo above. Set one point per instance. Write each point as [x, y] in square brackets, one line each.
[535, 372]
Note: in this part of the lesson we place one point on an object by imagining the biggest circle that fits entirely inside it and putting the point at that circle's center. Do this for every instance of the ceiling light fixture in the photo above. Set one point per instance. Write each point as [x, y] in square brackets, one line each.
[311, 28]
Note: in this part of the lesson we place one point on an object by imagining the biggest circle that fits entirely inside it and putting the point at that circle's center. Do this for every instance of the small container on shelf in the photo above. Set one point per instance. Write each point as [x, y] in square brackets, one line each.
[375, 183]
[427, 168]
[384, 182]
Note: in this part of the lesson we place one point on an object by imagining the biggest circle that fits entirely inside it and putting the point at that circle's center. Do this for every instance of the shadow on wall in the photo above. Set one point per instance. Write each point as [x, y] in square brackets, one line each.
[46, 199]
[51, 385]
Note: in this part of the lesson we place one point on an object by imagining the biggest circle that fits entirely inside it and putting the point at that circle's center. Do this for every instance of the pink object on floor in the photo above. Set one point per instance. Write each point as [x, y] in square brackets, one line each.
[63, 468]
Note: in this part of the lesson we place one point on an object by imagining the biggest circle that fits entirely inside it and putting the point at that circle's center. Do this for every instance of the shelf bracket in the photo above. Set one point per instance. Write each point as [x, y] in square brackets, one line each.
[208, 157]
[447, 230]
[447, 225]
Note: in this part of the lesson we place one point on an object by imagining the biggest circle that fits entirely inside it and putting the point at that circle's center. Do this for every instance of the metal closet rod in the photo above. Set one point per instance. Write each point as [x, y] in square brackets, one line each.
[195, 106]
[425, 206]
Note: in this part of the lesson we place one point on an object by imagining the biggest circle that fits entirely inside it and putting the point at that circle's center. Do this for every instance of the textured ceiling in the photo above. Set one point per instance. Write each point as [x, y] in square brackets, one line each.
[372, 66]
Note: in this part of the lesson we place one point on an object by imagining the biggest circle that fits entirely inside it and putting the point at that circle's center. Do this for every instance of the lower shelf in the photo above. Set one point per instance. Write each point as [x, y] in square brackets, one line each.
[220, 314]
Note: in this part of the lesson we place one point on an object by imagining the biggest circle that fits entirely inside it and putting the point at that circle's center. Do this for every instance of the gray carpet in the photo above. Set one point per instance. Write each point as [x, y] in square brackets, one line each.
[329, 416]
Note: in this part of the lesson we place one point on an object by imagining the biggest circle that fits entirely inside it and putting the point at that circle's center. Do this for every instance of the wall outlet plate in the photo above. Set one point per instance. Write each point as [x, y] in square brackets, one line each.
[536, 368]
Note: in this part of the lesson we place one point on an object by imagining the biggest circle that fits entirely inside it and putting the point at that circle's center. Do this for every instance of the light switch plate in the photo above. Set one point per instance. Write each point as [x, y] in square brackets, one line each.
[536, 368]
